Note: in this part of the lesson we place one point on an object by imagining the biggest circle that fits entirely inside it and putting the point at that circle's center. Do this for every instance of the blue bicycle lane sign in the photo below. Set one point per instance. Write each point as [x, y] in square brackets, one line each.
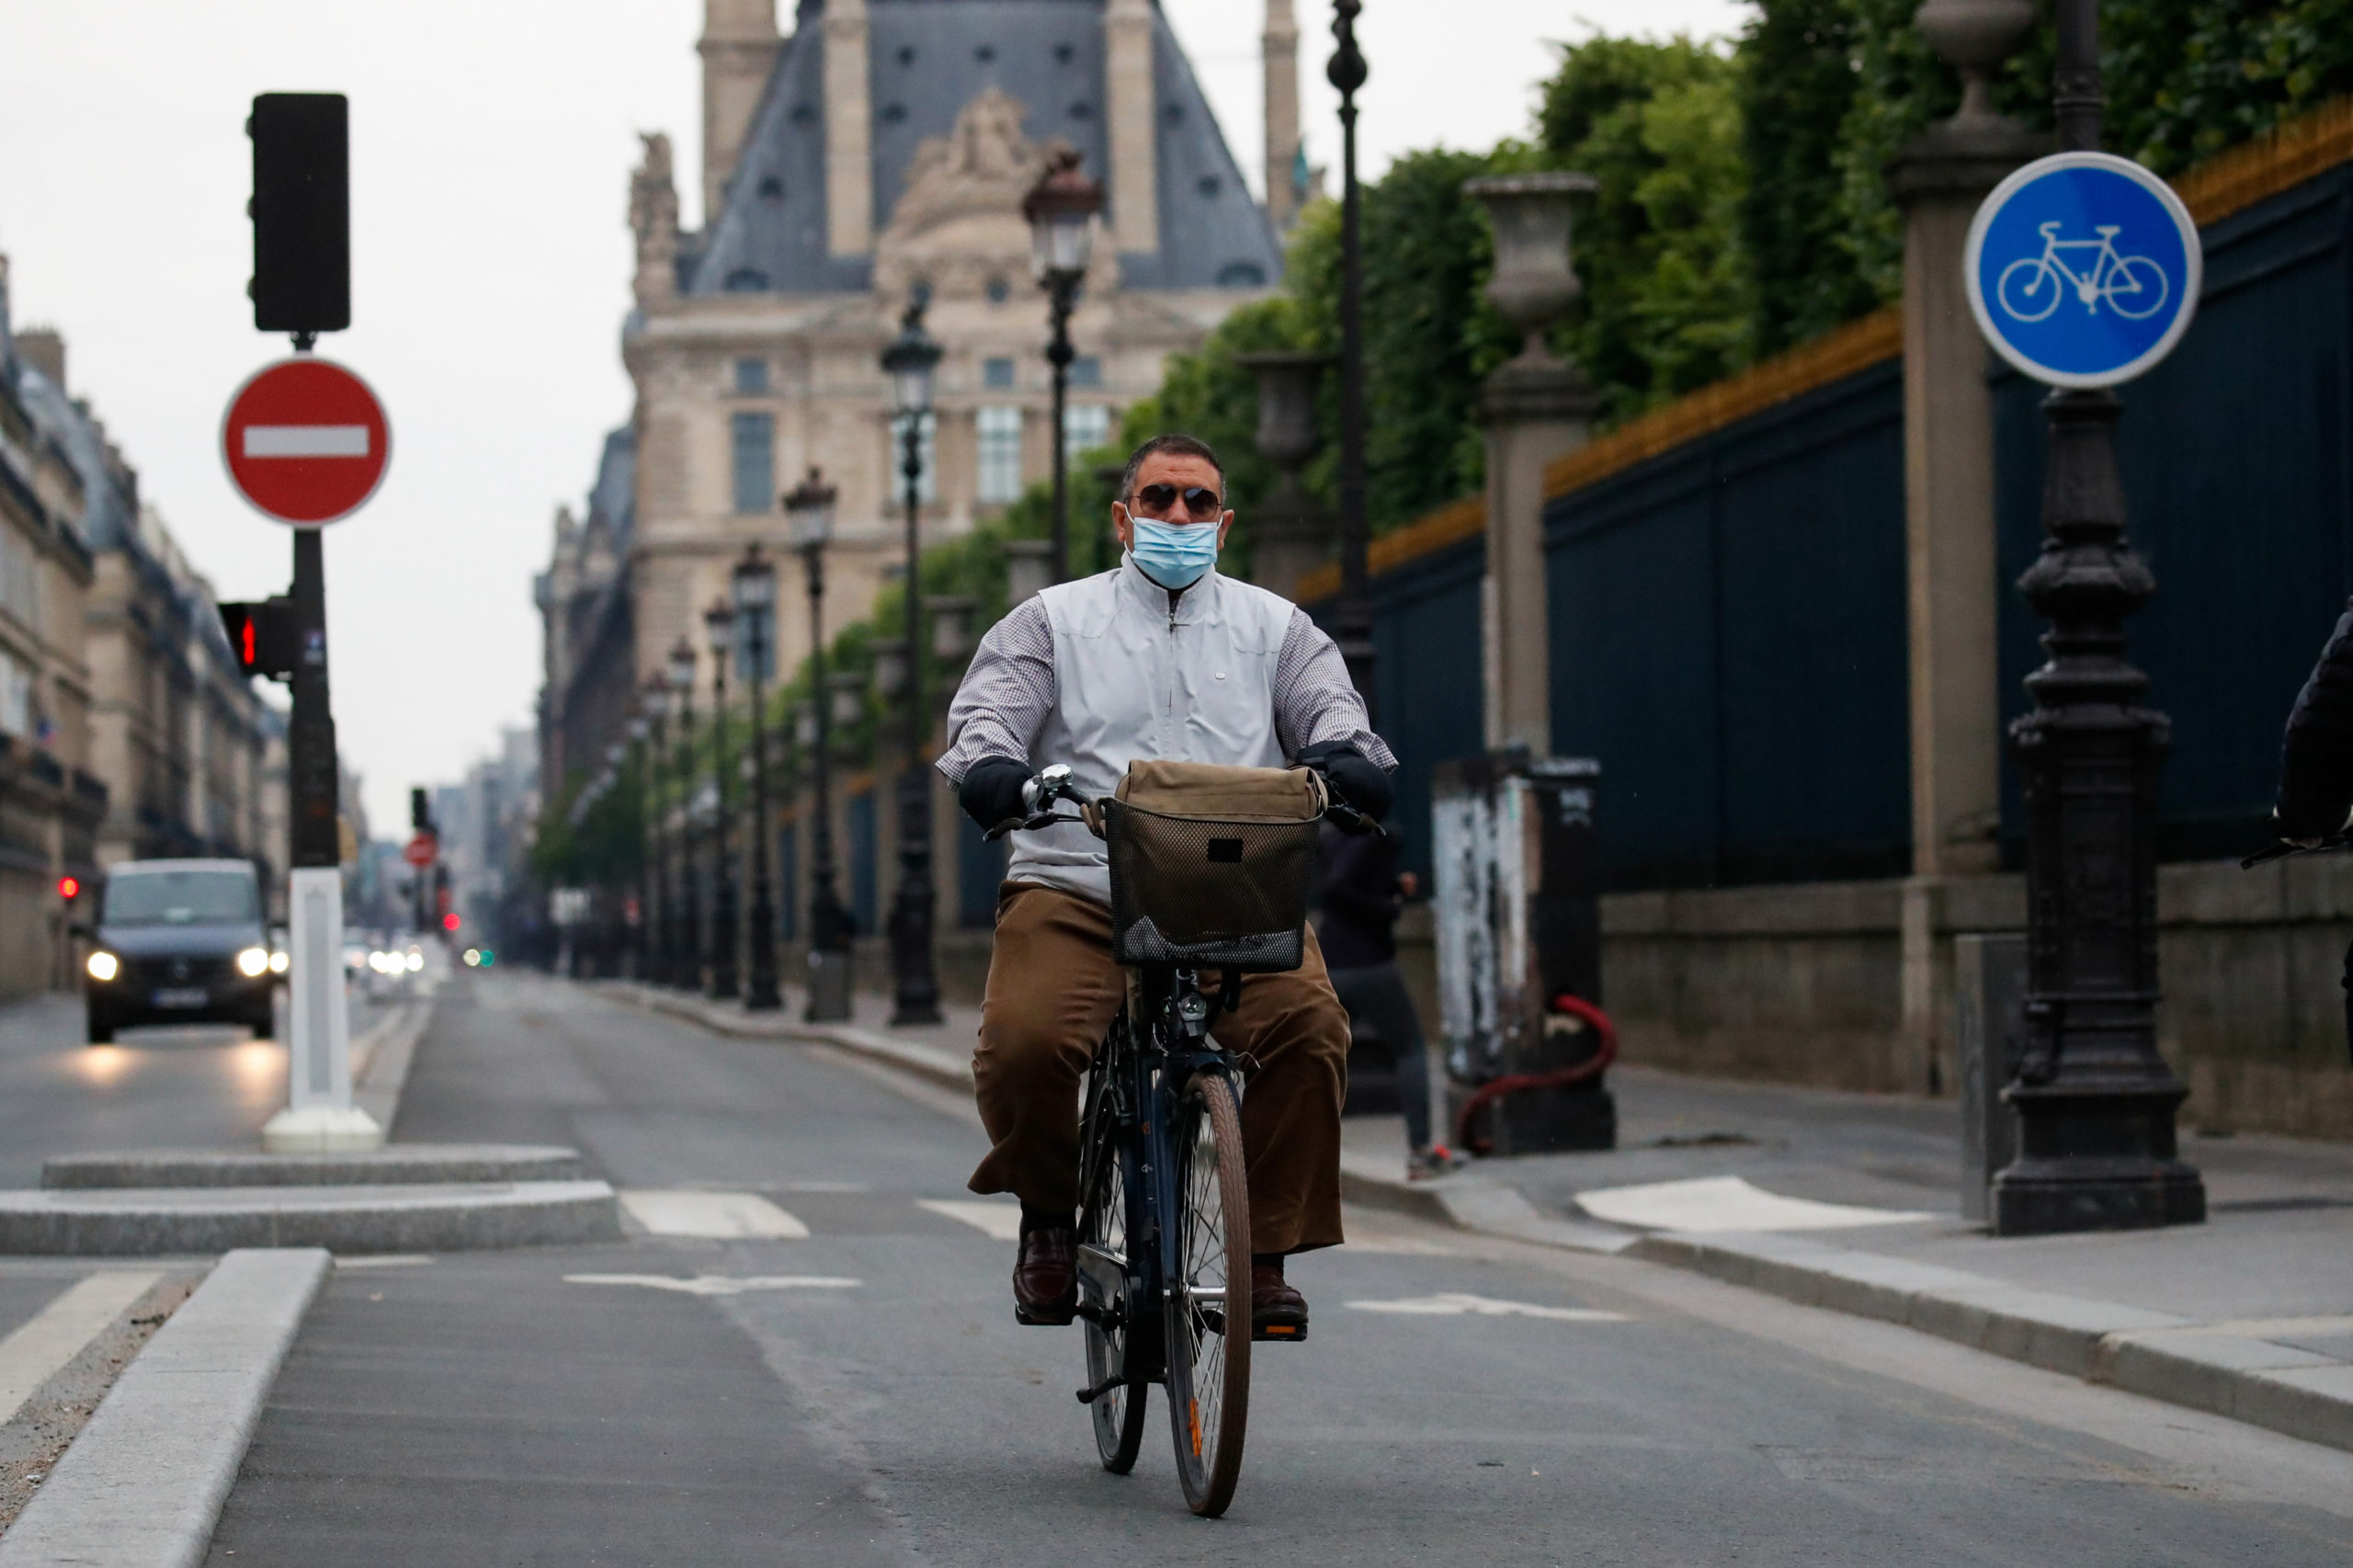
[2083, 270]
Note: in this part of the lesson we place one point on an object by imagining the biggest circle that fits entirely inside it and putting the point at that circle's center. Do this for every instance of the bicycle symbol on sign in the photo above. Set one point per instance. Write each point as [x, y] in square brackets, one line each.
[2030, 288]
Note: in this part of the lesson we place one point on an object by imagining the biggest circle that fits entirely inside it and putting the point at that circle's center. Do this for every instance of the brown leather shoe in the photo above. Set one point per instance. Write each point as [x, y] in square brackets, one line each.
[1045, 1276]
[1277, 1311]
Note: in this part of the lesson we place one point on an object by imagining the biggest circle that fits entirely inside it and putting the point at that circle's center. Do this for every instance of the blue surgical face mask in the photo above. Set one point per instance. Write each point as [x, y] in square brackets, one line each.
[1173, 554]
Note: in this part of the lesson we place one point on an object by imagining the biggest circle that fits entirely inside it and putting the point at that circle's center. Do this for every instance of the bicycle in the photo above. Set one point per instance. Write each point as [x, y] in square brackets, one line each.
[2112, 276]
[1164, 1228]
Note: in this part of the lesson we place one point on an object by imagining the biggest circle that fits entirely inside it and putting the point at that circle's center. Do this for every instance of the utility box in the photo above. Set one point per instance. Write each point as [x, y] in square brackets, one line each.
[1989, 987]
[1518, 910]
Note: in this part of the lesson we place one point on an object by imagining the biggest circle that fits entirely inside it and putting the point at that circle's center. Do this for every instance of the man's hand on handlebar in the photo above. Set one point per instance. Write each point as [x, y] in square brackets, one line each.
[1038, 795]
[1359, 787]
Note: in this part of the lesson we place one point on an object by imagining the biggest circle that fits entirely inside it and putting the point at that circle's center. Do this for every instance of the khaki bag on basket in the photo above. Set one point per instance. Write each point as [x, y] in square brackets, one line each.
[1228, 794]
[1175, 872]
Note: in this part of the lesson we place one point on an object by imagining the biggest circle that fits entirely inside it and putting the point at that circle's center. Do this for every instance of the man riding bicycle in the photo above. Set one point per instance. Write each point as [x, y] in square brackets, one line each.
[1161, 658]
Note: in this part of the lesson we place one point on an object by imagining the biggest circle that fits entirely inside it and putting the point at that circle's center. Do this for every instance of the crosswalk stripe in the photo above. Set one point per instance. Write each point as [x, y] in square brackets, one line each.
[1457, 1303]
[55, 1334]
[720, 1284]
[999, 1221]
[722, 1216]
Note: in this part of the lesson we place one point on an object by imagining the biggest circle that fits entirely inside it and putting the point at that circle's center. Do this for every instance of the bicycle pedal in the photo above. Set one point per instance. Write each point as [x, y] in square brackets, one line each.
[1281, 1331]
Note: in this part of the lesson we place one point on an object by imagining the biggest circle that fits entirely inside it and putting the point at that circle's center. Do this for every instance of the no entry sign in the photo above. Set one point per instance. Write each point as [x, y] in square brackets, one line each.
[306, 442]
[422, 850]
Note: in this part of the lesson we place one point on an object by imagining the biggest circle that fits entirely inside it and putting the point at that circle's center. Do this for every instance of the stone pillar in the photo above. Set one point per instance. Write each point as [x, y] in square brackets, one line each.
[738, 46]
[1537, 408]
[1278, 46]
[1127, 72]
[1953, 591]
[849, 173]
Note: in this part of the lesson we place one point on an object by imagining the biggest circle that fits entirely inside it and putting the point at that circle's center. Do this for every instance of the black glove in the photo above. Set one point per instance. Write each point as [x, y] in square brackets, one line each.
[991, 793]
[1355, 777]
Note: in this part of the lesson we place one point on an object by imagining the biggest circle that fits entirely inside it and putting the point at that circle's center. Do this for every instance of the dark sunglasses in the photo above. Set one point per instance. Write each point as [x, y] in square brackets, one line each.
[1158, 500]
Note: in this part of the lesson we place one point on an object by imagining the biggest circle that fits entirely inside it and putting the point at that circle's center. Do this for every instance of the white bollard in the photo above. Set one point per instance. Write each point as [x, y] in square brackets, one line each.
[319, 1118]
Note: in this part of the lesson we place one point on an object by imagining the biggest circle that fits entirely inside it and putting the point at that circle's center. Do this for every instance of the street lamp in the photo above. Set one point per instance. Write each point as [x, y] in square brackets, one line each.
[809, 511]
[754, 584]
[637, 731]
[691, 954]
[2095, 1101]
[664, 949]
[910, 361]
[1060, 209]
[1352, 617]
[718, 632]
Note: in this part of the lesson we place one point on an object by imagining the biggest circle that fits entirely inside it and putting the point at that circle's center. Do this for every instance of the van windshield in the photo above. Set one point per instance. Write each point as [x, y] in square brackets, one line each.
[180, 898]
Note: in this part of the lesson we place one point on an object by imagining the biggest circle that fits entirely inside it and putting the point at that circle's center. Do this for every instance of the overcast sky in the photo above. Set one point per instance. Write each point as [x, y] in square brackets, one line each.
[491, 145]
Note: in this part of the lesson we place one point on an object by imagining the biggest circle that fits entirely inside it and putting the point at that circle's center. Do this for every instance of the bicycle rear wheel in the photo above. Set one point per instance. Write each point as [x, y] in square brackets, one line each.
[1103, 1266]
[1209, 1309]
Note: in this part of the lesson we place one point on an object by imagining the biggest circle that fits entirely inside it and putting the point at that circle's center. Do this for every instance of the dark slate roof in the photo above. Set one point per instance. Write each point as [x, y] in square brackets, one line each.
[613, 497]
[927, 59]
[109, 507]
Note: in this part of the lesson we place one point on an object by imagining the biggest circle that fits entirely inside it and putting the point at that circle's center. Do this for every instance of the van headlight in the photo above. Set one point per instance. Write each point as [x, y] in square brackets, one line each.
[254, 963]
[278, 963]
[103, 966]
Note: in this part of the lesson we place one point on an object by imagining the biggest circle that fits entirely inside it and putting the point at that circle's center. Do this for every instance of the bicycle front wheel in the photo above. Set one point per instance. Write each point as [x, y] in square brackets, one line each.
[1103, 1272]
[1208, 1307]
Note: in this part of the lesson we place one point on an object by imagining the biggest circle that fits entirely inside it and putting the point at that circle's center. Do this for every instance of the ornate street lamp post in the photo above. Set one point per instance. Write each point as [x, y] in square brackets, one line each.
[692, 954]
[664, 915]
[2095, 1101]
[718, 630]
[646, 865]
[1352, 617]
[754, 584]
[910, 361]
[809, 508]
[1060, 209]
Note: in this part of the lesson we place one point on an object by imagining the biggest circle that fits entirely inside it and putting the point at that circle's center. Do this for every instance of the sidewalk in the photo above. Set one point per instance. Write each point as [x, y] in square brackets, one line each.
[1849, 1202]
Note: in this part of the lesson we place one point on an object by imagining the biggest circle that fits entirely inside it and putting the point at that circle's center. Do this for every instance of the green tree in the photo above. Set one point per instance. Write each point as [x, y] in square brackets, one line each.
[1669, 286]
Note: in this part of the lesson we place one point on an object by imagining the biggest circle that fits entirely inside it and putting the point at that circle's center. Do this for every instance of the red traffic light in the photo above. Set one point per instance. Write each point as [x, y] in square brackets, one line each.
[69, 888]
[450, 921]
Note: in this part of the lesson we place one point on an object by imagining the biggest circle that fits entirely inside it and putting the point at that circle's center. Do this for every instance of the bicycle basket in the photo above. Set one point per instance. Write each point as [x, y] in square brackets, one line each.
[1207, 893]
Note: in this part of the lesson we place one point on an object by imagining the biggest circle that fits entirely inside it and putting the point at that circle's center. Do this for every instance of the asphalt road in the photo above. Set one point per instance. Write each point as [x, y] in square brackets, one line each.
[861, 1395]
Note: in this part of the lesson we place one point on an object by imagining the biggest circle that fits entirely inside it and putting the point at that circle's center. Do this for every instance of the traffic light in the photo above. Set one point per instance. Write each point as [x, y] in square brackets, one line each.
[261, 633]
[420, 815]
[69, 888]
[450, 922]
[302, 212]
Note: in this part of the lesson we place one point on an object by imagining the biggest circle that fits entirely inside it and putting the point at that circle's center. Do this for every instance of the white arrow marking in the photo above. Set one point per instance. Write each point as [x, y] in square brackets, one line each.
[725, 1216]
[306, 440]
[718, 1284]
[1454, 1303]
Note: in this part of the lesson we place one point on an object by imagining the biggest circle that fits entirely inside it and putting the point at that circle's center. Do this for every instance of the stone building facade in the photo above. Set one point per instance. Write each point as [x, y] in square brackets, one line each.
[881, 148]
[129, 730]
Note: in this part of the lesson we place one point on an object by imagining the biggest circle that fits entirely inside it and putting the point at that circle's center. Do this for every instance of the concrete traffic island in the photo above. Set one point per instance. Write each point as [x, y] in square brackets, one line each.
[391, 1164]
[391, 1216]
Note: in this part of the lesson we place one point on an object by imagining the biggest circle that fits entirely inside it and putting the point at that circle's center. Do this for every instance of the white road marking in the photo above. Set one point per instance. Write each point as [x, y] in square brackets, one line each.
[998, 1222]
[384, 1260]
[1455, 1303]
[725, 1216]
[826, 1186]
[1727, 1203]
[306, 440]
[55, 1334]
[718, 1284]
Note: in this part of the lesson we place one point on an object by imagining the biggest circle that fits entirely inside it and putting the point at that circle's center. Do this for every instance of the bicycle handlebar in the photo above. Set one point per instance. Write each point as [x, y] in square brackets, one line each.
[1054, 783]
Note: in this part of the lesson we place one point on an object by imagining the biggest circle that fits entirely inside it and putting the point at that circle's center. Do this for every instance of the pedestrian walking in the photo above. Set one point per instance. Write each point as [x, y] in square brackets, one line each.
[1363, 894]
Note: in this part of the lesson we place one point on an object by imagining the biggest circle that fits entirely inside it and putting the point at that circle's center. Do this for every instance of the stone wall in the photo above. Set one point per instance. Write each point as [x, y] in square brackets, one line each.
[1802, 984]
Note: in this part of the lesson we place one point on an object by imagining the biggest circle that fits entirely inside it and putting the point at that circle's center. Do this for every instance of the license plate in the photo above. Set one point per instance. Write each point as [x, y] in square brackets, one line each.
[182, 996]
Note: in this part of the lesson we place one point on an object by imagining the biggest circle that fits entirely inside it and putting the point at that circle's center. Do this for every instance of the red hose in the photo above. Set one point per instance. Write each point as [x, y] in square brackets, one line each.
[1560, 1077]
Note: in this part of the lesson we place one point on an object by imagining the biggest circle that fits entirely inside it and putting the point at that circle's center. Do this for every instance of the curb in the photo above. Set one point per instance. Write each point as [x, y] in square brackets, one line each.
[143, 1484]
[922, 1060]
[392, 1165]
[141, 1222]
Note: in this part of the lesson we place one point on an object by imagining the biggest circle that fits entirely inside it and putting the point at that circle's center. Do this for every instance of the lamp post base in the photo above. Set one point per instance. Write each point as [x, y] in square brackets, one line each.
[2042, 1199]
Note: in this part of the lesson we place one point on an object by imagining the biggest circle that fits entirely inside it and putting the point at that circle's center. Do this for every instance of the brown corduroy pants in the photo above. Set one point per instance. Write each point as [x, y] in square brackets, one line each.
[1053, 992]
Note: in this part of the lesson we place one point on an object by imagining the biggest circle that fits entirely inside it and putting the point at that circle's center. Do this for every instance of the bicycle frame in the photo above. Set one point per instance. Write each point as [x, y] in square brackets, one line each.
[1131, 1098]
[2087, 286]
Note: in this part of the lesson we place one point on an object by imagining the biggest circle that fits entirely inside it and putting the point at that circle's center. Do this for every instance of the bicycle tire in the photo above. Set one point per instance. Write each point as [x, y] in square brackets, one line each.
[1116, 1415]
[1208, 1346]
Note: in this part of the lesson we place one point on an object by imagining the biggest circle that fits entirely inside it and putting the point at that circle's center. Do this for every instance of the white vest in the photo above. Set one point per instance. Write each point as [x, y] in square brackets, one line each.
[1133, 678]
